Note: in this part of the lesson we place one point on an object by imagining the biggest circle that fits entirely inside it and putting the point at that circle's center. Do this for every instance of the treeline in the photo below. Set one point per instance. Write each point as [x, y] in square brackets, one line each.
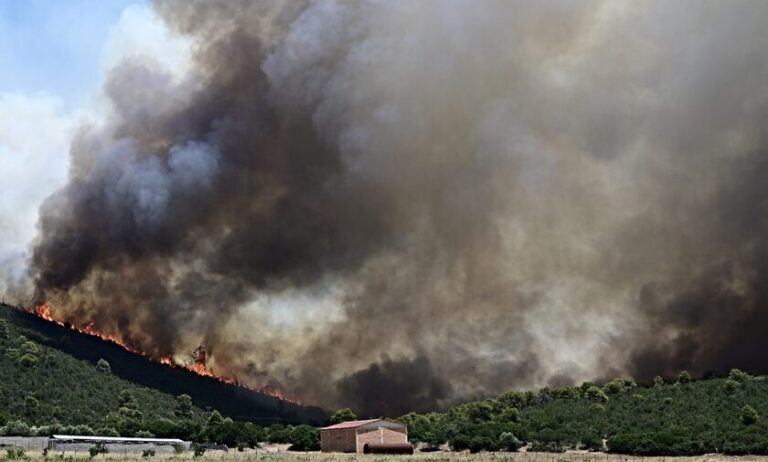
[216, 430]
[676, 417]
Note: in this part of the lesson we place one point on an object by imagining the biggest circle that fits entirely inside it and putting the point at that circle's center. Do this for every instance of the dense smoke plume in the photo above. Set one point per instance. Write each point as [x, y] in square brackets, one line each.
[397, 205]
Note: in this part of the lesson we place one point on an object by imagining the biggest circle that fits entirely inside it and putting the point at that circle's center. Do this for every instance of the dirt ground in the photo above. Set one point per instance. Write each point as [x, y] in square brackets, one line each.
[280, 454]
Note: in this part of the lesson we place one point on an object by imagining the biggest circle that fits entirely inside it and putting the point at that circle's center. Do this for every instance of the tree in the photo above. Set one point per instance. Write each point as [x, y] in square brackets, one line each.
[731, 386]
[510, 415]
[28, 360]
[749, 415]
[597, 407]
[509, 441]
[17, 428]
[129, 406]
[102, 365]
[183, 406]
[614, 386]
[277, 433]
[595, 394]
[30, 347]
[658, 382]
[215, 418]
[107, 431]
[684, 377]
[304, 438]
[4, 330]
[738, 375]
[126, 399]
[83, 430]
[343, 415]
[31, 401]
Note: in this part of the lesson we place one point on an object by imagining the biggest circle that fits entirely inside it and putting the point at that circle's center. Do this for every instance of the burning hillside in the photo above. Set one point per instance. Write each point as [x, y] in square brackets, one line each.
[45, 311]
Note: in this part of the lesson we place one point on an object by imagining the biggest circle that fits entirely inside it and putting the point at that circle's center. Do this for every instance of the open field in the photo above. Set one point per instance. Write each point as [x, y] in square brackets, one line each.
[270, 455]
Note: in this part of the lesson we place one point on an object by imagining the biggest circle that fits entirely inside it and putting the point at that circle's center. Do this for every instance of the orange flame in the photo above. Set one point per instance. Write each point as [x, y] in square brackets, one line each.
[45, 311]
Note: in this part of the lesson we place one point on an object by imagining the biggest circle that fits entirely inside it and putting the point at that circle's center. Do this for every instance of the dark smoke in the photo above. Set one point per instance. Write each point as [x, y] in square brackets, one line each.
[397, 205]
[395, 387]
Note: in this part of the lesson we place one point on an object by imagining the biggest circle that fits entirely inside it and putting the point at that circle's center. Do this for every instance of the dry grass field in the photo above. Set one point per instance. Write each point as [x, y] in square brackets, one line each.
[273, 454]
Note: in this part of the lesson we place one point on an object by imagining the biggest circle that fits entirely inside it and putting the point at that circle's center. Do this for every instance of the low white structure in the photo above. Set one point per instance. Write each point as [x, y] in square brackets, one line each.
[116, 444]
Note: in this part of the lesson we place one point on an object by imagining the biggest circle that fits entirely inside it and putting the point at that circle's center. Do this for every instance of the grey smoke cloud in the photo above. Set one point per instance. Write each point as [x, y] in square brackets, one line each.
[428, 201]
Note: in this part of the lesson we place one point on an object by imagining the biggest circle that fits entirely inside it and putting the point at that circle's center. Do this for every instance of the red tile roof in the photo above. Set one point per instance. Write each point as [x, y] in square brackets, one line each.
[350, 424]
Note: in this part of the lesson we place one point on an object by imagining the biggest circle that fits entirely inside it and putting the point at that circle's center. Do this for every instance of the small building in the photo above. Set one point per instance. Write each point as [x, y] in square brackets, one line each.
[353, 436]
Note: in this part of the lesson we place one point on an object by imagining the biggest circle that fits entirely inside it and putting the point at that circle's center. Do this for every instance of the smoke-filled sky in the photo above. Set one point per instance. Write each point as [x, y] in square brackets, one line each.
[398, 205]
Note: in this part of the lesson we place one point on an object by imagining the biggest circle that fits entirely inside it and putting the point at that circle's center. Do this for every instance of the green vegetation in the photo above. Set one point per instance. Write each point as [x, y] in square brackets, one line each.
[44, 386]
[685, 417]
[343, 415]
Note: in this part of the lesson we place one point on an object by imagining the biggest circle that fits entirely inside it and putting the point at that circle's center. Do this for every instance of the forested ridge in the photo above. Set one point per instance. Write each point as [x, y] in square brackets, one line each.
[678, 416]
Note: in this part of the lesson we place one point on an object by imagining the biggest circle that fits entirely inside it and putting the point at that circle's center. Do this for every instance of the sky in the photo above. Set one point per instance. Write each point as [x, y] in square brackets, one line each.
[54, 57]
[56, 47]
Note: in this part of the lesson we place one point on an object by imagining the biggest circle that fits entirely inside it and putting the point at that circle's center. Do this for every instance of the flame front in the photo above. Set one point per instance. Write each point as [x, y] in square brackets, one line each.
[45, 311]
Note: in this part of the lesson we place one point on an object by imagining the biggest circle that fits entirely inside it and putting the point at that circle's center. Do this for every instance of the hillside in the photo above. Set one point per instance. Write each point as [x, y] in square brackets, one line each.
[680, 417]
[51, 373]
[42, 385]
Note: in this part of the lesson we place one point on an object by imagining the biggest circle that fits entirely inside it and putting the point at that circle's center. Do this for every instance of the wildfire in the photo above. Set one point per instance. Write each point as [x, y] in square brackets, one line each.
[45, 311]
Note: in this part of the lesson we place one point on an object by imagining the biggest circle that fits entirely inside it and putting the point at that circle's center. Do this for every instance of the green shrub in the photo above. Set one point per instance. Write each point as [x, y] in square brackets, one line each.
[107, 431]
[16, 454]
[183, 406]
[594, 393]
[198, 450]
[614, 387]
[749, 415]
[31, 401]
[509, 442]
[148, 453]
[738, 375]
[547, 446]
[596, 407]
[304, 438]
[17, 428]
[28, 360]
[482, 443]
[215, 418]
[343, 415]
[98, 448]
[102, 365]
[83, 430]
[731, 386]
[511, 414]
[684, 377]
[591, 441]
